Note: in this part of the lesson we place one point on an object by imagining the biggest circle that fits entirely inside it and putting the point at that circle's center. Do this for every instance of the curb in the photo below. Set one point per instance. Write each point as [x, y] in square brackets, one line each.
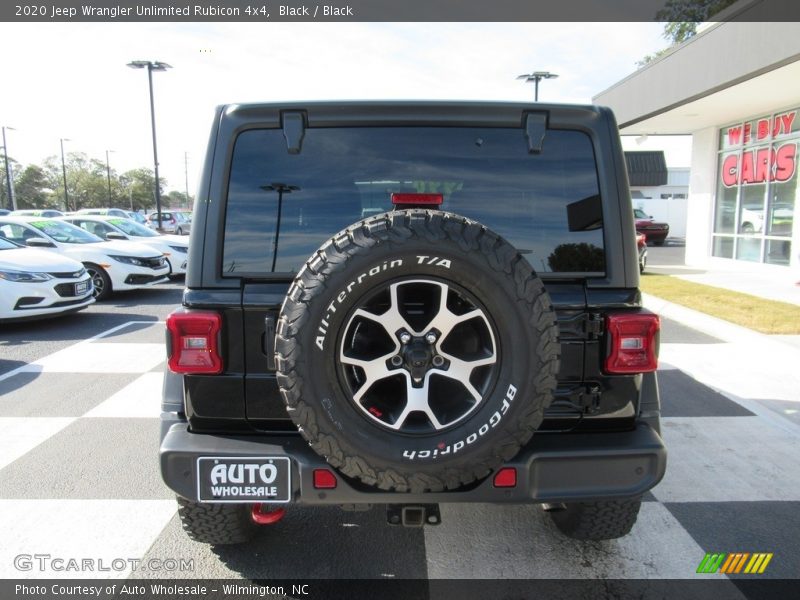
[713, 326]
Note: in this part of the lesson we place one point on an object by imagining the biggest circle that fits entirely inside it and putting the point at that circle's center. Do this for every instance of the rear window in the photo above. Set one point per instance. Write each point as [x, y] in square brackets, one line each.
[345, 174]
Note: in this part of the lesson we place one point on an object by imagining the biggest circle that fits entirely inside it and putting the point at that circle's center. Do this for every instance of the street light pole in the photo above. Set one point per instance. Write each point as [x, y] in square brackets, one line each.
[108, 174]
[12, 201]
[536, 77]
[152, 66]
[186, 175]
[64, 171]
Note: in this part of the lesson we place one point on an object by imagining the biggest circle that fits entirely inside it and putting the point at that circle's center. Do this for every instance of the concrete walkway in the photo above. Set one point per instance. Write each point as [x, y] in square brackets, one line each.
[745, 364]
[759, 371]
[781, 285]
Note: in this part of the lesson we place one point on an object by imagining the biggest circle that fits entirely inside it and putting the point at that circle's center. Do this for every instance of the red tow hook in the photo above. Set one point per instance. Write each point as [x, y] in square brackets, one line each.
[266, 518]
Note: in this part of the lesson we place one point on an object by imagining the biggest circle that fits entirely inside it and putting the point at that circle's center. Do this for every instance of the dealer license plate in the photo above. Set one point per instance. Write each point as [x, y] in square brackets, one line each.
[81, 287]
[244, 479]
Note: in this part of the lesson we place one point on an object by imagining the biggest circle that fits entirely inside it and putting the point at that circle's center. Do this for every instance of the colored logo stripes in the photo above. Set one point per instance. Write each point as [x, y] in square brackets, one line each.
[735, 562]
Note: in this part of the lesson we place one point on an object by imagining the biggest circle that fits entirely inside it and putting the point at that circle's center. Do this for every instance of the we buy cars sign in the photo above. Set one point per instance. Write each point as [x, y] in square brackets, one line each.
[766, 162]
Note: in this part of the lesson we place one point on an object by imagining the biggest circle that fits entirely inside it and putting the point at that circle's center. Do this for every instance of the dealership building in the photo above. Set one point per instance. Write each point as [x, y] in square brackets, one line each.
[735, 88]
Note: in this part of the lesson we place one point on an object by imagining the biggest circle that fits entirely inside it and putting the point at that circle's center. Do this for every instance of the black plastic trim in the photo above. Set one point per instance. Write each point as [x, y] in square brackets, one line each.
[563, 468]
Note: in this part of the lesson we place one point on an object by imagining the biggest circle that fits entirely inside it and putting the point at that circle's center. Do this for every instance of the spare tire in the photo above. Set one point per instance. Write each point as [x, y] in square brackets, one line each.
[417, 351]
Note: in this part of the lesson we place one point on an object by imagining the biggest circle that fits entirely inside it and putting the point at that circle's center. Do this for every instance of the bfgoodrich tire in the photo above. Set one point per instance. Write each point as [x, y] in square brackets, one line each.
[217, 524]
[417, 351]
[605, 520]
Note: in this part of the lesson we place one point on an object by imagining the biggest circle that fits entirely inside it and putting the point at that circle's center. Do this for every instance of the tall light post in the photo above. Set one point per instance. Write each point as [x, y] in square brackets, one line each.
[108, 174]
[64, 171]
[151, 66]
[536, 77]
[186, 175]
[12, 201]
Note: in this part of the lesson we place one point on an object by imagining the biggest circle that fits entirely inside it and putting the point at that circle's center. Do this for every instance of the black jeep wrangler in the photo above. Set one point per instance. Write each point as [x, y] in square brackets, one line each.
[472, 333]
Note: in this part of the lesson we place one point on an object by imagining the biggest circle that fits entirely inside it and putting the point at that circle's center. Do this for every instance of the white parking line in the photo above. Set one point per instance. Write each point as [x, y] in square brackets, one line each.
[107, 532]
[59, 356]
[108, 332]
[20, 435]
[139, 399]
[86, 357]
[723, 459]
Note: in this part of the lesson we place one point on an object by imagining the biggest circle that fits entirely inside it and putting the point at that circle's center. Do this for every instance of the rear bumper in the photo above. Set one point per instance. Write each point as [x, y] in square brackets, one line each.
[552, 468]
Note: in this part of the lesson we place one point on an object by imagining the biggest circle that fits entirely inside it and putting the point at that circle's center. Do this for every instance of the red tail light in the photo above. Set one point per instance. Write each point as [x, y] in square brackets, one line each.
[194, 342]
[633, 342]
[408, 200]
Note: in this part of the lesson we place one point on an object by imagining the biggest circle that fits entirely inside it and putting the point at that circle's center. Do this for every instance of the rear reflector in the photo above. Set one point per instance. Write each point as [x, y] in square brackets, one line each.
[194, 342]
[324, 479]
[633, 343]
[506, 478]
[417, 199]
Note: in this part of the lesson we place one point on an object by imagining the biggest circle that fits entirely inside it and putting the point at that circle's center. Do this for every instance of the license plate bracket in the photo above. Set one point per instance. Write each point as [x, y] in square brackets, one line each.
[244, 479]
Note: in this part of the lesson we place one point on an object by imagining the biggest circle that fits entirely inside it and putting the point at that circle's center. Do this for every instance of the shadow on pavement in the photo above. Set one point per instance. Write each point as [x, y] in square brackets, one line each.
[67, 328]
[17, 381]
[346, 540]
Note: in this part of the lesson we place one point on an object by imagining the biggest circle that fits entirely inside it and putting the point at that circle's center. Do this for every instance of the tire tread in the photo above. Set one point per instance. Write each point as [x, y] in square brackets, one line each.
[401, 226]
[216, 524]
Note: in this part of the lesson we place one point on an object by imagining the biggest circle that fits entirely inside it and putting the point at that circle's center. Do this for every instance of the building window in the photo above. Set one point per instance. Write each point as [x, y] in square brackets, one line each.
[757, 189]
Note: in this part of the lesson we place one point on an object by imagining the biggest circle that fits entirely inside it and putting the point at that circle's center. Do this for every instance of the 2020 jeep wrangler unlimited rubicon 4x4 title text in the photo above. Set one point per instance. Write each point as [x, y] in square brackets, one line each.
[473, 332]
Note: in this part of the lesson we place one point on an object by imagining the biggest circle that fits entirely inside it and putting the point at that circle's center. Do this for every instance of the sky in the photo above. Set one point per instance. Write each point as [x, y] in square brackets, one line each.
[69, 80]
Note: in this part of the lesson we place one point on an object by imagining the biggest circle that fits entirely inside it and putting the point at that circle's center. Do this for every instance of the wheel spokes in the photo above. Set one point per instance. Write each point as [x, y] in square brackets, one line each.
[374, 371]
[416, 401]
[419, 304]
[461, 371]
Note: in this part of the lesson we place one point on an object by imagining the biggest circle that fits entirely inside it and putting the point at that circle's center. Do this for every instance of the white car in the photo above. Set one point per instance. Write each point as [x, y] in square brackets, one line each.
[752, 220]
[114, 212]
[35, 283]
[113, 266]
[106, 212]
[174, 247]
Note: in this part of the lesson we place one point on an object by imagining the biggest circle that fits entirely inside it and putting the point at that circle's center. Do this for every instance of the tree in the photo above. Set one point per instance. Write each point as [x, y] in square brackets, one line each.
[86, 180]
[176, 199]
[139, 189]
[34, 189]
[14, 166]
[682, 18]
[42, 186]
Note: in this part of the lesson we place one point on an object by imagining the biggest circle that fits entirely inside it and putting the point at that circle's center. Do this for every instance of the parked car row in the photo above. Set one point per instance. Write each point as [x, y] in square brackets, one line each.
[35, 283]
[172, 221]
[174, 248]
[177, 222]
[54, 265]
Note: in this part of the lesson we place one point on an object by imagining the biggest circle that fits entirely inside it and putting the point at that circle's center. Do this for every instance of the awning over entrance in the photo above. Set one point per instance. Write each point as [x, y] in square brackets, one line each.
[646, 168]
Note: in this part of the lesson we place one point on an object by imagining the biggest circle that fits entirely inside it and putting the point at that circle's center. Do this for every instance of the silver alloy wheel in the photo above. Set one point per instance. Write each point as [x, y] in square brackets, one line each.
[98, 281]
[418, 356]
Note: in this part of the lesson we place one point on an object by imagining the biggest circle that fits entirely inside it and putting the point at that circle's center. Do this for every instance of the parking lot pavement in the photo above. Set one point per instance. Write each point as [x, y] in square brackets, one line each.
[79, 479]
